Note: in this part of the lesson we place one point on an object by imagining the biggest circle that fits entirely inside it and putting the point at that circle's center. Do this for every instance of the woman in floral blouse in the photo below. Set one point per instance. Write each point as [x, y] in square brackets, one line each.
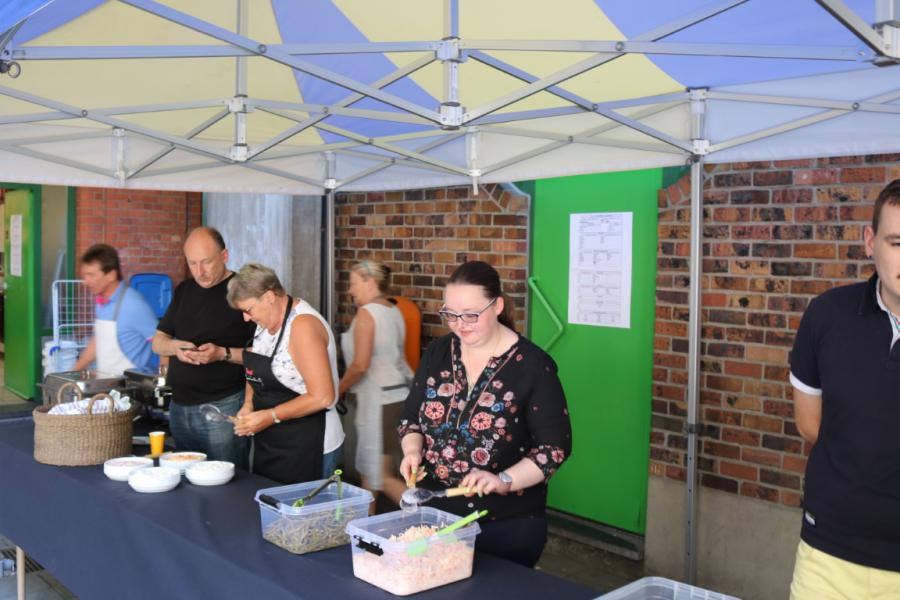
[487, 411]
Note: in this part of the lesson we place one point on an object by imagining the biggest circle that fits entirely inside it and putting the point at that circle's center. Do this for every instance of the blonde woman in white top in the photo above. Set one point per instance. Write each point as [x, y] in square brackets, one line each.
[378, 374]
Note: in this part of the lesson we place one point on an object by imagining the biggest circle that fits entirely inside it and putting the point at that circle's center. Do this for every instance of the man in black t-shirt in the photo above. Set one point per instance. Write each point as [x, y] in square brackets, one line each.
[205, 339]
[845, 371]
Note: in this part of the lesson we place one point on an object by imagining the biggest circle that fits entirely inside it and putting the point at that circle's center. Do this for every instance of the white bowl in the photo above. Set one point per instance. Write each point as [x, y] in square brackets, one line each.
[212, 472]
[153, 480]
[180, 460]
[118, 469]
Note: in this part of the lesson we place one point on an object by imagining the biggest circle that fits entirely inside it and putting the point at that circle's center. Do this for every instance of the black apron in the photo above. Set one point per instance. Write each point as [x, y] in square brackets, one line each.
[290, 451]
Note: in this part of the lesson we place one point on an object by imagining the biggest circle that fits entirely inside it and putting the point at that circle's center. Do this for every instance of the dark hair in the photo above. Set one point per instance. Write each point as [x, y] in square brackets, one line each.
[889, 195]
[106, 256]
[477, 272]
[214, 234]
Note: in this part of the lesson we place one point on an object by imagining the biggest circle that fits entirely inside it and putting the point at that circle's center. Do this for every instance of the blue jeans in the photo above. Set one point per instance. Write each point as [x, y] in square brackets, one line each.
[331, 461]
[194, 433]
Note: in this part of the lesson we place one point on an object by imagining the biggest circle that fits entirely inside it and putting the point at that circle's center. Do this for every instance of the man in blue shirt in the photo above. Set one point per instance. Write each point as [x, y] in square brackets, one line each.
[124, 323]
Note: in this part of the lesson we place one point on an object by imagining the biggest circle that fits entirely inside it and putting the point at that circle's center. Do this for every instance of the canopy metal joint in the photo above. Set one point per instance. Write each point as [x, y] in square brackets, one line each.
[700, 147]
[239, 152]
[449, 48]
[451, 115]
[238, 104]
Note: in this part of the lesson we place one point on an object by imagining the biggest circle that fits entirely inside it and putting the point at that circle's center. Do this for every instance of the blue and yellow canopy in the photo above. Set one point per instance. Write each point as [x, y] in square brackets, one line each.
[298, 97]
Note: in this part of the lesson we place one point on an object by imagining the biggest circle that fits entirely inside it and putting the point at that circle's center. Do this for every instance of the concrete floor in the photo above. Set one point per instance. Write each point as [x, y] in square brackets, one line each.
[562, 557]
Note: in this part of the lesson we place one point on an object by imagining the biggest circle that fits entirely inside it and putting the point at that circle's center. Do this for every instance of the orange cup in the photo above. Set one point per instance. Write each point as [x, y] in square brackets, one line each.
[157, 442]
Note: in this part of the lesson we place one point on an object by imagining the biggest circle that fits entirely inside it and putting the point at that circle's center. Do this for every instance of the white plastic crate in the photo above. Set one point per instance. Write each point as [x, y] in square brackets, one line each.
[660, 588]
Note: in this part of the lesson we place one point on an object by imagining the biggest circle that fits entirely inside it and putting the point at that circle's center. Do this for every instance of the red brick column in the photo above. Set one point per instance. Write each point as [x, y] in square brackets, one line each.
[148, 228]
[775, 235]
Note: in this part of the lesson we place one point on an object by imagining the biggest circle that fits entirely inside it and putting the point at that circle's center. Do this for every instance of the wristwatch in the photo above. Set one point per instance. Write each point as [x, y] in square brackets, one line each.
[227, 356]
[275, 418]
[505, 478]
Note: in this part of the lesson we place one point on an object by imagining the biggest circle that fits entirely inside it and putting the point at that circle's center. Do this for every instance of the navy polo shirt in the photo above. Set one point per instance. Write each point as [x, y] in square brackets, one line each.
[852, 489]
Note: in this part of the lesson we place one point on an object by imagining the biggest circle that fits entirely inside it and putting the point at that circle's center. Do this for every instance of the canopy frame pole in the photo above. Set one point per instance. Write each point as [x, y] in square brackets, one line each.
[345, 102]
[548, 83]
[329, 302]
[855, 25]
[264, 51]
[801, 122]
[238, 105]
[698, 135]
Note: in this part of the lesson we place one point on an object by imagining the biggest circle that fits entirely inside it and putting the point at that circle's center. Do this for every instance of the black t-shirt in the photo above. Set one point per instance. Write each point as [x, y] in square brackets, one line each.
[200, 315]
[516, 409]
[852, 488]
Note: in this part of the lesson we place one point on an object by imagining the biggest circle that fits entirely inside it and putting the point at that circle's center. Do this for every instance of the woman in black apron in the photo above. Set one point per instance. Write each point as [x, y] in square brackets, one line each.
[288, 434]
[290, 451]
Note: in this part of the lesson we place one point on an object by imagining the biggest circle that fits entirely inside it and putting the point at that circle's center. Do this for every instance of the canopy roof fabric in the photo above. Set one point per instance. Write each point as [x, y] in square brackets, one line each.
[303, 97]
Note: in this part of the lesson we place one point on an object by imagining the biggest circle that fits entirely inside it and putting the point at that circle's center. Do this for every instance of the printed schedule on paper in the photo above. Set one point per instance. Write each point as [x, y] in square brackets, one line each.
[600, 269]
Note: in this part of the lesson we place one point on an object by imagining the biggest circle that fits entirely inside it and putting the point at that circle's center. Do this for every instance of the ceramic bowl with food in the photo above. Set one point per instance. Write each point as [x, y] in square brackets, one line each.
[180, 460]
[153, 480]
[118, 469]
[210, 472]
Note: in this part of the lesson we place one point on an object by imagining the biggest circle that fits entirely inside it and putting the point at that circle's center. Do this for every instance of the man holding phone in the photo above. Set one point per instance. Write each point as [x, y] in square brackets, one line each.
[205, 339]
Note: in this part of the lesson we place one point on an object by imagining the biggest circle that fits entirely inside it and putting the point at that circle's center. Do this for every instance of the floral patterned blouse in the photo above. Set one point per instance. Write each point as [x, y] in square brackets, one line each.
[515, 409]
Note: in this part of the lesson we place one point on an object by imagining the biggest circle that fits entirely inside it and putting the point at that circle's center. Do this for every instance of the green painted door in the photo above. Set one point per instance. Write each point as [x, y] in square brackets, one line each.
[606, 372]
[22, 276]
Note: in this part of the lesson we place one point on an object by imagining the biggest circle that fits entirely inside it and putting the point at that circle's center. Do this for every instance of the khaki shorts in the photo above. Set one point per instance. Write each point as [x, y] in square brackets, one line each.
[820, 576]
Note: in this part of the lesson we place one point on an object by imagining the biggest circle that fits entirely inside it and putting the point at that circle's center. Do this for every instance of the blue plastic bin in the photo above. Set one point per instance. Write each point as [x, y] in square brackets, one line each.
[156, 288]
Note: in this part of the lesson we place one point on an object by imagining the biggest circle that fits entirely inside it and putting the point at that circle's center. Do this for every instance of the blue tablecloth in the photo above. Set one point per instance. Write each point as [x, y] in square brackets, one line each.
[103, 540]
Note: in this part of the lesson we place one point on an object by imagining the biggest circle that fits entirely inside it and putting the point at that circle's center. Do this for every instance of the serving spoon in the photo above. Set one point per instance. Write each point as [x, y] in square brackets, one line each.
[415, 496]
[212, 413]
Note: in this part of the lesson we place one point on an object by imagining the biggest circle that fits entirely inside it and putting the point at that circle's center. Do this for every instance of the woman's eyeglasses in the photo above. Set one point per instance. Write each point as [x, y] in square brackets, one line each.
[469, 317]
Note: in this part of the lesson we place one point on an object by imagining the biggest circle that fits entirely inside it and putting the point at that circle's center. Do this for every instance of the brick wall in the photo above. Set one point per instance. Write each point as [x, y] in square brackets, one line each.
[148, 228]
[423, 235]
[775, 235]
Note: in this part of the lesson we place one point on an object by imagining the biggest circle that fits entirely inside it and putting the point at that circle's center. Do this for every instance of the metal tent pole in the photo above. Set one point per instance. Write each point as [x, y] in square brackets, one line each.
[701, 145]
[329, 299]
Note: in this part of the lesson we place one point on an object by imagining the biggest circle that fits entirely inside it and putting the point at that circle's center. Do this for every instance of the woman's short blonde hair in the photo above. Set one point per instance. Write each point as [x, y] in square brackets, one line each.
[371, 269]
[252, 281]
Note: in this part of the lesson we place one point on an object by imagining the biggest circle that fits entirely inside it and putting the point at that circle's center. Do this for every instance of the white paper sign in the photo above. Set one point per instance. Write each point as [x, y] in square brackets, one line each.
[15, 245]
[600, 269]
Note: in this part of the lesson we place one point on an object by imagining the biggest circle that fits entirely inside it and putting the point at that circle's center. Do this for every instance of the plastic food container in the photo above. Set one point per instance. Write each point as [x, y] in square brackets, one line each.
[660, 588]
[319, 524]
[407, 567]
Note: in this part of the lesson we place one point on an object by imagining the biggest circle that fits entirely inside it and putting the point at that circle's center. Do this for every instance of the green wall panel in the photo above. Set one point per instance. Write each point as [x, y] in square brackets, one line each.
[22, 297]
[606, 372]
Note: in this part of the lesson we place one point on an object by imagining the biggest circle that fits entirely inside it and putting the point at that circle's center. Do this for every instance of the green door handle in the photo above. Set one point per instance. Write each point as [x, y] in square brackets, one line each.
[560, 328]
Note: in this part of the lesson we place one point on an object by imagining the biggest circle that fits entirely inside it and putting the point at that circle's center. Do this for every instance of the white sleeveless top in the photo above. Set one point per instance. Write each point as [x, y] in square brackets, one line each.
[388, 366]
[286, 373]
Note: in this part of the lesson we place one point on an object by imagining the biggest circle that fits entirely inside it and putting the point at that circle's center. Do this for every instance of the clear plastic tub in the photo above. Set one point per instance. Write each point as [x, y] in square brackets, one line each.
[660, 588]
[319, 524]
[407, 567]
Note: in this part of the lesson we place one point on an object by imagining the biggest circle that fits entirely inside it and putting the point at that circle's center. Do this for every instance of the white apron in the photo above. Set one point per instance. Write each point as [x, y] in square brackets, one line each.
[110, 358]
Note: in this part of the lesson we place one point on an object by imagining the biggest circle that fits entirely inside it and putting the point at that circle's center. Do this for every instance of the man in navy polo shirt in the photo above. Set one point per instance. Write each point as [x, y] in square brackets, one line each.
[845, 371]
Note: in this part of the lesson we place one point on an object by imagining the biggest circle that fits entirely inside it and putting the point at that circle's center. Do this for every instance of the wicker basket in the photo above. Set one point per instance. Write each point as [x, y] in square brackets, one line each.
[75, 440]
